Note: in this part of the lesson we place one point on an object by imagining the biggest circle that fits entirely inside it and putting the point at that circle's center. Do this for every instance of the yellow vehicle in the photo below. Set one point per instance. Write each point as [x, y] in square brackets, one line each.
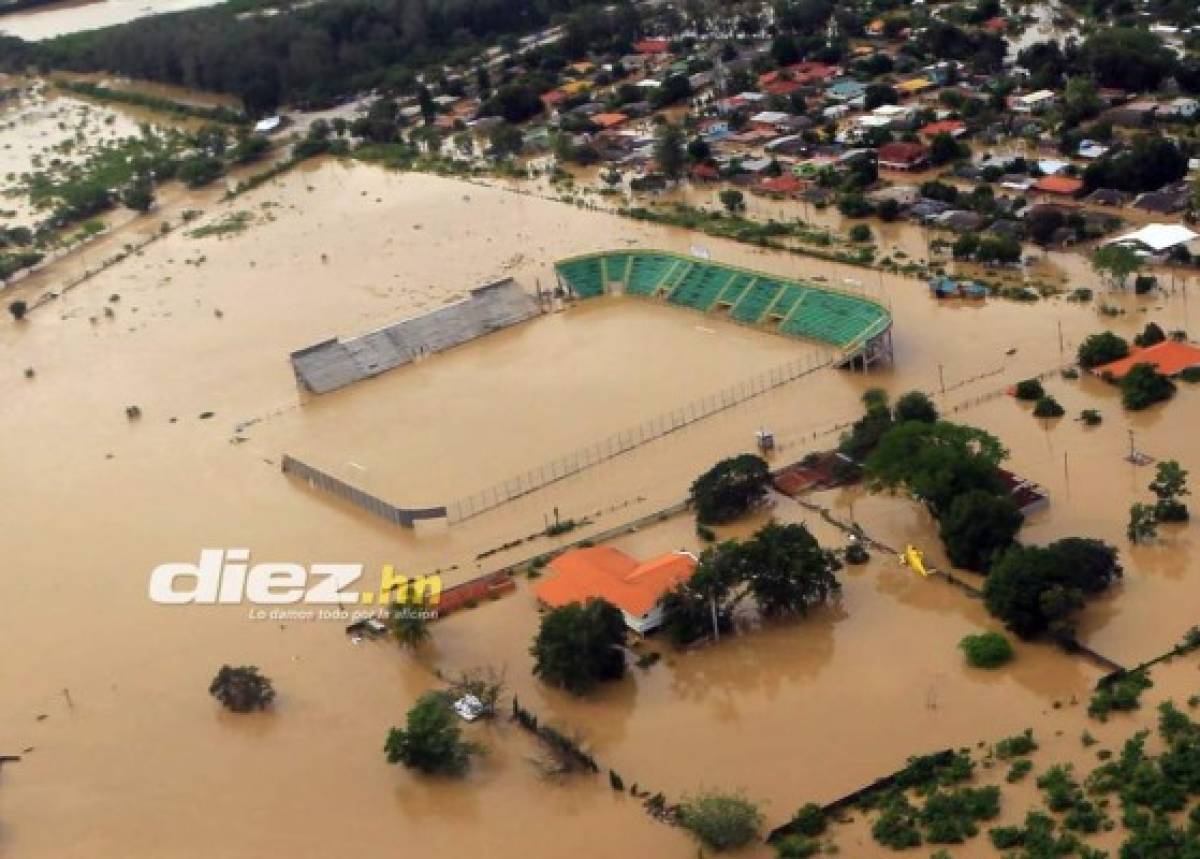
[914, 558]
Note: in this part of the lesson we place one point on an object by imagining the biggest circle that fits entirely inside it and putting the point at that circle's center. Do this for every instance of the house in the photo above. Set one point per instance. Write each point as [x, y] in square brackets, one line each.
[1135, 114]
[1107, 197]
[903, 156]
[845, 90]
[652, 47]
[1165, 201]
[1034, 102]
[1091, 150]
[609, 120]
[953, 127]
[1060, 186]
[781, 186]
[603, 572]
[1179, 108]
[1170, 357]
[1156, 239]
[913, 87]
[1027, 495]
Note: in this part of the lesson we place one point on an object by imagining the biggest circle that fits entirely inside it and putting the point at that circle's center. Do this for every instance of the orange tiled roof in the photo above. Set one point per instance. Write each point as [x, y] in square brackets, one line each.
[608, 120]
[606, 573]
[1168, 357]
[1064, 185]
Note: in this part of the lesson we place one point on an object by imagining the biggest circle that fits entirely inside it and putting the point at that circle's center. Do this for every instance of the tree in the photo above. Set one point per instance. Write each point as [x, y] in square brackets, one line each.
[506, 140]
[1047, 407]
[787, 570]
[138, 195]
[1025, 589]
[1029, 389]
[1132, 58]
[721, 821]
[1143, 523]
[408, 624]
[580, 645]
[1042, 223]
[915, 406]
[200, 170]
[877, 95]
[1143, 386]
[936, 462]
[1035, 590]
[709, 596]
[431, 741]
[1099, 349]
[978, 526]
[733, 200]
[866, 432]
[986, 650]
[729, 489]
[860, 233]
[1116, 262]
[250, 147]
[944, 148]
[1168, 486]
[1150, 335]
[242, 689]
[18, 308]
[1080, 101]
[669, 154]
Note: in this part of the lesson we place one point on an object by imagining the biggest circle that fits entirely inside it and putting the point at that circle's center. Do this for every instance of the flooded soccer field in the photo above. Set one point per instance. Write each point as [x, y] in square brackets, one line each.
[109, 690]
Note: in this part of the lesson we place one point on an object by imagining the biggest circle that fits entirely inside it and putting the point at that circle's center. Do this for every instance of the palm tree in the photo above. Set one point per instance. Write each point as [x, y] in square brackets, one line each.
[409, 624]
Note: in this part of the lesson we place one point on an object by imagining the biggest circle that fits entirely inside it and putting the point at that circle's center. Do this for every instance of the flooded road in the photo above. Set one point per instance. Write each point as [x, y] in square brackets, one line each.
[198, 338]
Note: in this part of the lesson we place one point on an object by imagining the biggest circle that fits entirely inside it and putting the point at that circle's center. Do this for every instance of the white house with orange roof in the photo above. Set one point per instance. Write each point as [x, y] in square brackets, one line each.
[603, 572]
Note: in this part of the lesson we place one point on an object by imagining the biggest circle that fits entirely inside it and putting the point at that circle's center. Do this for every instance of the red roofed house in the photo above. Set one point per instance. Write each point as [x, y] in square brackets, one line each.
[903, 156]
[652, 46]
[1063, 186]
[953, 127]
[608, 120]
[784, 185]
[1170, 357]
[602, 572]
[553, 99]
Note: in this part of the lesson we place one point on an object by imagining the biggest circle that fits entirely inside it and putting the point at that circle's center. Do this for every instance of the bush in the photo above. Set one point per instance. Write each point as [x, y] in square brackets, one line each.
[18, 309]
[1017, 745]
[579, 646]
[1143, 386]
[1123, 694]
[1029, 390]
[721, 821]
[1150, 335]
[1098, 349]
[1090, 417]
[978, 526]
[431, 741]
[809, 820]
[860, 233]
[1047, 407]
[796, 847]
[242, 689]
[986, 650]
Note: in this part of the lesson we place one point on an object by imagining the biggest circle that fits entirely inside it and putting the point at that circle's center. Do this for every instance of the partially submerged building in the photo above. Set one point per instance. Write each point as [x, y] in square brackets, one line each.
[603, 572]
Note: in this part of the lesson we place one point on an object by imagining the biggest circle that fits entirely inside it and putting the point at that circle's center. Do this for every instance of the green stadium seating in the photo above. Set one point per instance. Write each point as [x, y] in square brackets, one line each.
[755, 300]
[802, 310]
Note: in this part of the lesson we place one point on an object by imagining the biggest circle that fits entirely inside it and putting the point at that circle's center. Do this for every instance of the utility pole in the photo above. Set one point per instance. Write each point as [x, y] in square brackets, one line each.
[942, 380]
[716, 626]
[1061, 348]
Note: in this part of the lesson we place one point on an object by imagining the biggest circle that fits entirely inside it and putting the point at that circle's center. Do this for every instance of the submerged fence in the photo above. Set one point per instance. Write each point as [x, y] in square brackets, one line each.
[377, 506]
[627, 440]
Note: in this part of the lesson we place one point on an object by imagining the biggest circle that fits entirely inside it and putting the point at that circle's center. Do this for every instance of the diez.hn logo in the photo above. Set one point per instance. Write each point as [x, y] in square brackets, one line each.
[226, 577]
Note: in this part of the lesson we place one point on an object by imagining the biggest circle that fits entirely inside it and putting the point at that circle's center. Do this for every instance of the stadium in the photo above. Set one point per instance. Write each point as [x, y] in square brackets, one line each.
[859, 327]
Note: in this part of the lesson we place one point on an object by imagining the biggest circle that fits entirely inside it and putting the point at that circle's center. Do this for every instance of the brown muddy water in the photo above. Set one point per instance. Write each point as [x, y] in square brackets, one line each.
[131, 751]
[72, 16]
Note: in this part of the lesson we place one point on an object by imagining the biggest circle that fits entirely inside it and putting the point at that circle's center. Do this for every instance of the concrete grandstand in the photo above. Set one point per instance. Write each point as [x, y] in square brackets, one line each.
[856, 325]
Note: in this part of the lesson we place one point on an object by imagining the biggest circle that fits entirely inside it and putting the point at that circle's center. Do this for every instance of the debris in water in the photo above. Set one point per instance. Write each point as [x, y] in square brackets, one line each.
[205, 415]
[133, 412]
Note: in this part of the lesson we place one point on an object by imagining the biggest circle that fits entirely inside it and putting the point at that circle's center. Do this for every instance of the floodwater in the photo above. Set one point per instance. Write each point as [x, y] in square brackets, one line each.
[132, 751]
[72, 16]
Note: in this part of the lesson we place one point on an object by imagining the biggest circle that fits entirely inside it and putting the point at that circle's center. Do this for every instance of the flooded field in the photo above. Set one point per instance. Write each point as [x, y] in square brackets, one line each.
[71, 16]
[109, 691]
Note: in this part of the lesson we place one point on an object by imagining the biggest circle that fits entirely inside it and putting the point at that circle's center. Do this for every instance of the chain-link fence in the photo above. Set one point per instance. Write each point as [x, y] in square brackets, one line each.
[627, 440]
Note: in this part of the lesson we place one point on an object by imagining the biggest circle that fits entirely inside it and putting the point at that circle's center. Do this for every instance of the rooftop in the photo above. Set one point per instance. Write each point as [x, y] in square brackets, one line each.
[603, 572]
